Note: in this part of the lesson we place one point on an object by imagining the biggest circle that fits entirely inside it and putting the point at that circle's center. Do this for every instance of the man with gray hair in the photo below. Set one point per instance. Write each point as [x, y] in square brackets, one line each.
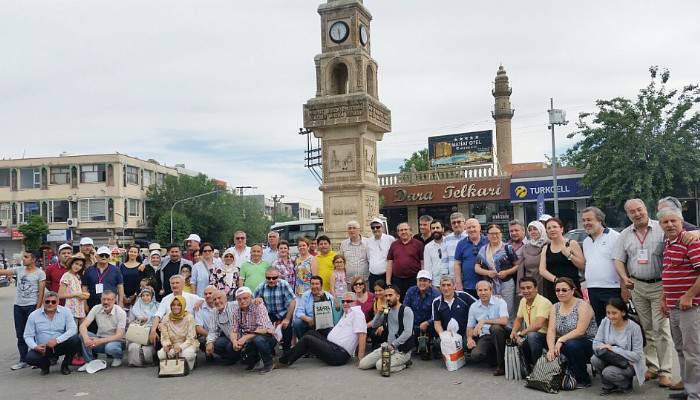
[280, 302]
[354, 248]
[601, 276]
[111, 326]
[451, 240]
[270, 252]
[672, 202]
[424, 233]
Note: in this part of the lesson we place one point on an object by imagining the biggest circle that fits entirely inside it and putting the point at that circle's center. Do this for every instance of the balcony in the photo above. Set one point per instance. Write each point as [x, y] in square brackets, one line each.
[437, 175]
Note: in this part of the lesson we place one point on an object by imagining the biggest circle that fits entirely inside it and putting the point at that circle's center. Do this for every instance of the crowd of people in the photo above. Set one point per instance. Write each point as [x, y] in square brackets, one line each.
[242, 304]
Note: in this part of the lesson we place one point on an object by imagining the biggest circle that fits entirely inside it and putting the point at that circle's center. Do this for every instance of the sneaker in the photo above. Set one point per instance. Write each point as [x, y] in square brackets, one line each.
[19, 365]
[116, 362]
[266, 368]
[77, 361]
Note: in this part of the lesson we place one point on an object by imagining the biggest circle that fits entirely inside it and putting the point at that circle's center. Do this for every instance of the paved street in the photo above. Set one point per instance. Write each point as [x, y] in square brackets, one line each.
[307, 379]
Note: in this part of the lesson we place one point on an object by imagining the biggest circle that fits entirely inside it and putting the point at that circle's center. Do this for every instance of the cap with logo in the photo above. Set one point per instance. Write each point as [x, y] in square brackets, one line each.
[64, 246]
[86, 241]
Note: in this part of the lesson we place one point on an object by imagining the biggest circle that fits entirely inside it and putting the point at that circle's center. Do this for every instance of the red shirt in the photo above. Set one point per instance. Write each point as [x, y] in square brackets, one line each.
[681, 268]
[405, 258]
[54, 273]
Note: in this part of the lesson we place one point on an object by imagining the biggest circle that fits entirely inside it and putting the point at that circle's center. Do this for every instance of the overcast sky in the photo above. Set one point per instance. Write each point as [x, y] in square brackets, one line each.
[219, 85]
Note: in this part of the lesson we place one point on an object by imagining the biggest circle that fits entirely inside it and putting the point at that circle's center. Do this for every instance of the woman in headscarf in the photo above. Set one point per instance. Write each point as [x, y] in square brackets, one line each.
[225, 275]
[142, 313]
[529, 254]
[177, 333]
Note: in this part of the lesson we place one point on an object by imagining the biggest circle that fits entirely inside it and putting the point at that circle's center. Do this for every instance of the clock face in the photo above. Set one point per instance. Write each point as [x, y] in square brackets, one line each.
[364, 35]
[339, 32]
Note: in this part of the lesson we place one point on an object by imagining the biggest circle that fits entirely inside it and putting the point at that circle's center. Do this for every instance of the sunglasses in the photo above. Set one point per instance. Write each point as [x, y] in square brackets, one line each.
[272, 278]
[376, 227]
[50, 302]
[359, 284]
[348, 301]
[103, 255]
[240, 238]
[561, 290]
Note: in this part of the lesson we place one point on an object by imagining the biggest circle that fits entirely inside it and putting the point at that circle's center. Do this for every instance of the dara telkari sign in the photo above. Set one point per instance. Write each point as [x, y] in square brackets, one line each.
[453, 192]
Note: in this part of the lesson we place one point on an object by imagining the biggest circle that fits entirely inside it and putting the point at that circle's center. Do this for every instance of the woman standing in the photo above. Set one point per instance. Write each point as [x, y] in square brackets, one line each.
[142, 313]
[571, 331]
[177, 333]
[201, 271]
[131, 274]
[530, 253]
[306, 267]
[618, 349]
[285, 264]
[225, 276]
[561, 258]
[365, 299]
[497, 262]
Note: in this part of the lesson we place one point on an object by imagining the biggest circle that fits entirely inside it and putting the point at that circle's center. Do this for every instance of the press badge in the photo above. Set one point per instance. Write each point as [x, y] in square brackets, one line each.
[643, 256]
[99, 288]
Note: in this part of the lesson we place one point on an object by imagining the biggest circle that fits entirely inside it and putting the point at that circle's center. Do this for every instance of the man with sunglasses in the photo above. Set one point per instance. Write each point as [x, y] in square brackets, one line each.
[103, 276]
[348, 334]
[458, 233]
[280, 302]
[51, 332]
[241, 248]
[465, 257]
[377, 249]
[433, 253]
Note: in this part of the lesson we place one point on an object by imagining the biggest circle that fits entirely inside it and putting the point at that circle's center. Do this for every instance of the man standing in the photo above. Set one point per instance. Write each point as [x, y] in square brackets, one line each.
[434, 252]
[170, 267]
[280, 302]
[486, 328]
[377, 249]
[450, 305]
[516, 232]
[313, 247]
[111, 325]
[241, 248]
[193, 243]
[55, 271]
[87, 247]
[29, 296]
[681, 298]
[253, 271]
[452, 240]
[252, 331]
[530, 325]
[405, 259]
[324, 259]
[424, 233]
[400, 336]
[348, 334]
[103, 276]
[638, 263]
[601, 276]
[51, 332]
[354, 248]
[304, 315]
[270, 253]
[465, 257]
[420, 299]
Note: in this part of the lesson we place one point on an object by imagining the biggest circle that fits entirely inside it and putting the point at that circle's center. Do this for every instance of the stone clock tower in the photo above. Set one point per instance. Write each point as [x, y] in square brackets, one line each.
[347, 116]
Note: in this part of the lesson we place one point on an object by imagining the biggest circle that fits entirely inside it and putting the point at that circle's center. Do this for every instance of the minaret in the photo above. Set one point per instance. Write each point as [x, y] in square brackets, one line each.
[503, 114]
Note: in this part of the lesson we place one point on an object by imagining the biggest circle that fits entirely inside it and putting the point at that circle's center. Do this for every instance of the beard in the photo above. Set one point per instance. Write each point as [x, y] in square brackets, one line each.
[436, 235]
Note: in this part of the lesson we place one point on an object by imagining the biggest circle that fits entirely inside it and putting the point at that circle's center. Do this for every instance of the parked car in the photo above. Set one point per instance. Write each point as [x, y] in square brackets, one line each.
[576, 234]
[4, 281]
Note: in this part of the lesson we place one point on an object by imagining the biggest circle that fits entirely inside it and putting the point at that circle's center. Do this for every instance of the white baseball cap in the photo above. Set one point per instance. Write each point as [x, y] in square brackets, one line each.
[545, 217]
[425, 274]
[95, 365]
[243, 290]
[104, 250]
[64, 246]
[377, 221]
[194, 237]
[86, 241]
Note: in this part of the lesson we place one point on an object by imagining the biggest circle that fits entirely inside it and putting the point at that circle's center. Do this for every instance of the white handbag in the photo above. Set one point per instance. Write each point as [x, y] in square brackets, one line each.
[137, 334]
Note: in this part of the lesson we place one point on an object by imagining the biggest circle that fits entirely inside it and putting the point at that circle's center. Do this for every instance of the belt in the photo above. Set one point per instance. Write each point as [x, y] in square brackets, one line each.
[655, 280]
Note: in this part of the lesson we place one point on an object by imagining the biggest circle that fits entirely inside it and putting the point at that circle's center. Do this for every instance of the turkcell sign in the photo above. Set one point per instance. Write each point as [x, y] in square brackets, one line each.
[567, 188]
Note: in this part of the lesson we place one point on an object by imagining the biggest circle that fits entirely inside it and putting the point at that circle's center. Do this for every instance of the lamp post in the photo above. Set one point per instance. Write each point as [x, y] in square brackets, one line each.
[183, 200]
[556, 117]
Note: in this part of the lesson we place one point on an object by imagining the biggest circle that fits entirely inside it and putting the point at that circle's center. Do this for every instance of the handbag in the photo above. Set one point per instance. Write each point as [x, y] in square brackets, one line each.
[173, 367]
[514, 362]
[547, 375]
[138, 334]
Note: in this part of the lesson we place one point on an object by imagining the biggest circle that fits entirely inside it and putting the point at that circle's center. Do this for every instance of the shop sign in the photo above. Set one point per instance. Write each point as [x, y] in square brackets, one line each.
[500, 216]
[445, 193]
[568, 188]
[17, 235]
[5, 232]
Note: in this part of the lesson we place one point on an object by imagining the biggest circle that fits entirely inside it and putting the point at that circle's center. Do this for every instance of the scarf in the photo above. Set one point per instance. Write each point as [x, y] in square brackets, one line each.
[543, 234]
[141, 309]
[183, 309]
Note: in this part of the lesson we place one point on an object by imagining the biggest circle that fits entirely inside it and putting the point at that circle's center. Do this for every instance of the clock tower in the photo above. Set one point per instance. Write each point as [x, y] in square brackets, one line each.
[347, 116]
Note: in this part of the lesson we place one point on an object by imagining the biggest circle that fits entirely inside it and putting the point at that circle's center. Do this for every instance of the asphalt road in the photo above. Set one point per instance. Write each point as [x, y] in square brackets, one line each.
[306, 379]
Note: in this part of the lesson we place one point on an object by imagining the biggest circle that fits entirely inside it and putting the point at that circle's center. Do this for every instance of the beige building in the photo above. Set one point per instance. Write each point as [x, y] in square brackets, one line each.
[101, 196]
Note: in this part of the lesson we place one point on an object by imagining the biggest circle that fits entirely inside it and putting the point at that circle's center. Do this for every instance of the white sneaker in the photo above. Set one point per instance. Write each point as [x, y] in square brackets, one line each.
[116, 362]
[83, 367]
[19, 365]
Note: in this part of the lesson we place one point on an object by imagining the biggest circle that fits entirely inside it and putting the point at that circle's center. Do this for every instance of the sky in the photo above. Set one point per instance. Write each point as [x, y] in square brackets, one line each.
[219, 85]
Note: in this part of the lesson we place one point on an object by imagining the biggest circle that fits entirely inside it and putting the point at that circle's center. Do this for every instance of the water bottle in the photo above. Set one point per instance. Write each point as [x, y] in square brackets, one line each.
[386, 360]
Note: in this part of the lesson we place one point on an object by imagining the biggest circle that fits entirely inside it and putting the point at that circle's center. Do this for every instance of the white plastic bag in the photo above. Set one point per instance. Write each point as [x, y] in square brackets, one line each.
[278, 332]
[452, 350]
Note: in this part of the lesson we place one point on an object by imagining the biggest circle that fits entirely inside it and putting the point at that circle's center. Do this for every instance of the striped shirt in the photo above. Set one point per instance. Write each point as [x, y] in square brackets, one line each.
[681, 269]
[248, 321]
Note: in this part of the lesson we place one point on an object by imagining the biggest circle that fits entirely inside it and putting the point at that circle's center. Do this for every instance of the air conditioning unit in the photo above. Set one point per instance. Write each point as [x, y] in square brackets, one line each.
[72, 198]
[72, 222]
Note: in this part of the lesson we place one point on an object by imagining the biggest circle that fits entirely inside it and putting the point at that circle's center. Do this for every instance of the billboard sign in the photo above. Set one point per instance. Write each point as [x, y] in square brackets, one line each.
[461, 148]
[568, 188]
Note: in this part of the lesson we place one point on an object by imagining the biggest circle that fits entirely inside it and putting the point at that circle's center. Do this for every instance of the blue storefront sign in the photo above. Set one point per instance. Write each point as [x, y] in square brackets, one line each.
[568, 188]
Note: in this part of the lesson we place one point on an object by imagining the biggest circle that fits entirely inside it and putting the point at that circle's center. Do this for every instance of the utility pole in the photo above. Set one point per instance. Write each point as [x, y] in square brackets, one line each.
[556, 117]
[275, 200]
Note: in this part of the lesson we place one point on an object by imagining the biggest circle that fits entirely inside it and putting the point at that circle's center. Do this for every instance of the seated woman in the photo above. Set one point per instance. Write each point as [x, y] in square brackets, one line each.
[142, 313]
[571, 331]
[618, 349]
[377, 336]
[365, 299]
[177, 333]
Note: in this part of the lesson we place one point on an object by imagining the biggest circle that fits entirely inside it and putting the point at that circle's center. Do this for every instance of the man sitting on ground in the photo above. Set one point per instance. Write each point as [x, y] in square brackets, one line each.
[486, 332]
[530, 325]
[280, 302]
[202, 317]
[111, 325]
[420, 299]
[450, 305]
[304, 315]
[252, 331]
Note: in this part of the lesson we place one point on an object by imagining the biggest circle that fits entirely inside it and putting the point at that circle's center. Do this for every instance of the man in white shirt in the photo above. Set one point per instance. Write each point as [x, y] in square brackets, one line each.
[459, 232]
[347, 335]
[194, 303]
[377, 249]
[433, 253]
[241, 248]
[602, 280]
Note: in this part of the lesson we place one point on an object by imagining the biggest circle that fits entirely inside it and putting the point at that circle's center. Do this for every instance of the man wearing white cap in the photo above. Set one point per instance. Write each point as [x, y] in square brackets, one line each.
[252, 331]
[377, 249]
[87, 247]
[55, 271]
[420, 299]
[103, 276]
[193, 242]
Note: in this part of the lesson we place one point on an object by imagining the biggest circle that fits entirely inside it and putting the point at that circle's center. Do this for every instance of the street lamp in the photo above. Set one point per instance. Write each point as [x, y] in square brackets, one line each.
[183, 200]
[556, 117]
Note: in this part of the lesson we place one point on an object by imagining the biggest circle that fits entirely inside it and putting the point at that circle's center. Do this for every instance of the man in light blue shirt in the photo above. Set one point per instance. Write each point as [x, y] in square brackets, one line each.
[304, 314]
[457, 222]
[486, 327]
[270, 252]
[51, 332]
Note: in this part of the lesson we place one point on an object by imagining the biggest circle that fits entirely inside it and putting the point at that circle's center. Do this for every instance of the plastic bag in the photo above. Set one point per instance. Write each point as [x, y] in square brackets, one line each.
[452, 350]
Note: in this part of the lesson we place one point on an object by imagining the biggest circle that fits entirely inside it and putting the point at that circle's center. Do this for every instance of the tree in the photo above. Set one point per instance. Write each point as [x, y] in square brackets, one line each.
[34, 233]
[418, 161]
[182, 227]
[648, 147]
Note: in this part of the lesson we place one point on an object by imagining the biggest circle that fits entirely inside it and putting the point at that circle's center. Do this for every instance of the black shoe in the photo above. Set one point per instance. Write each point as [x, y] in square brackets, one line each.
[266, 368]
[409, 363]
[677, 396]
[499, 372]
[250, 367]
[45, 371]
[65, 370]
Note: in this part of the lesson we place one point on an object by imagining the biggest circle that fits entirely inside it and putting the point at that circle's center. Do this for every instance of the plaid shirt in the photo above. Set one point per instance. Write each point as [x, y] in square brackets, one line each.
[248, 321]
[356, 255]
[276, 298]
[287, 270]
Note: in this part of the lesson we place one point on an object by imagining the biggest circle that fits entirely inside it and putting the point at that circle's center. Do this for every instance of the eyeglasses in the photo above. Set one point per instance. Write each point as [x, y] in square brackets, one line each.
[272, 278]
[561, 290]
[376, 227]
[50, 301]
[348, 301]
[359, 284]
[207, 251]
[239, 238]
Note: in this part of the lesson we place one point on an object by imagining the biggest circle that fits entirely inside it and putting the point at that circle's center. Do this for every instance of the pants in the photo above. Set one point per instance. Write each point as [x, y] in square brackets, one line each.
[300, 328]
[577, 353]
[598, 297]
[374, 360]
[224, 349]
[189, 353]
[260, 347]
[532, 347]
[403, 284]
[138, 354]
[21, 314]
[377, 340]
[373, 279]
[112, 349]
[657, 330]
[685, 327]
[67, 348]
[492, 344]
[314, 343]
[613, 377]
[286, 333]
[508, 294]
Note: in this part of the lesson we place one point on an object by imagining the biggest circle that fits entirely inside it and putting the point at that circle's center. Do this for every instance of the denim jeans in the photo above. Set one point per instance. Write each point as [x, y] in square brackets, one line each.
[261, 347]
[532, 347]
[21, 315]
[224, 349]
[112, 349]
[300, 328]
[578, 352]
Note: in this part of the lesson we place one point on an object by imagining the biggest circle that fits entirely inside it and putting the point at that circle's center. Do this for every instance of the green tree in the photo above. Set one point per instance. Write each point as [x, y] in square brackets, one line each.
[182, 227]
[34, 233]
[648, 147]
[418, 161]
